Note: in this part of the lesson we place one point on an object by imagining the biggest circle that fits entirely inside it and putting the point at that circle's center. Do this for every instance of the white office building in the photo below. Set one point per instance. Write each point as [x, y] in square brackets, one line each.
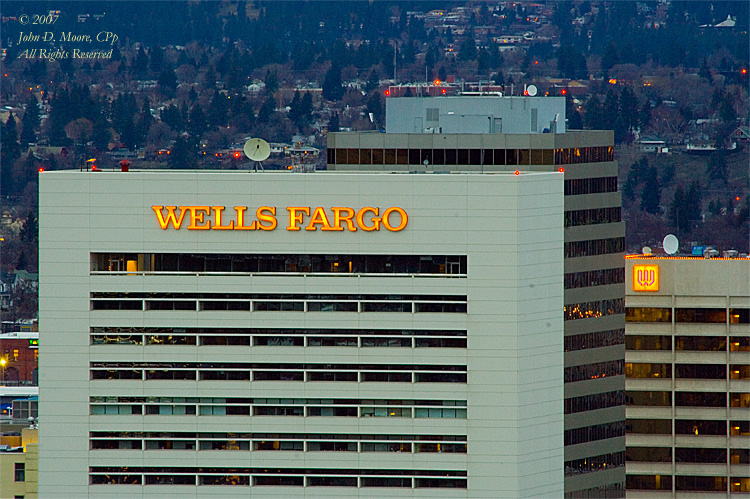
[301, 335]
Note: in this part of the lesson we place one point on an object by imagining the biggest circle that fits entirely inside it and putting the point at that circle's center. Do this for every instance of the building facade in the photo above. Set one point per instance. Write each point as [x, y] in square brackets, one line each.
[463, 134]
[302, 335]
[688, 377]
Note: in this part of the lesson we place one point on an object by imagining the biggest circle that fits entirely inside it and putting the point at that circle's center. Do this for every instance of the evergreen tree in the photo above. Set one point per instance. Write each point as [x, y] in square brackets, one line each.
[10, 151]
[610, 58]
[375, 106]
[333, 123]
[468, 51]
[651, 194]
[184, 153]
[267, 110]
[678, 215]
[30, 122]
[173, 118]
[197, 124]
[168, 81]
[716, 168]
[272, 81]
[332, 86]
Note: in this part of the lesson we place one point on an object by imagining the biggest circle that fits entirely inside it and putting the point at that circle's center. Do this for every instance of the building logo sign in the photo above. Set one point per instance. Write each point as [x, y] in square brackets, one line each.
[645, 278]
[336, 218]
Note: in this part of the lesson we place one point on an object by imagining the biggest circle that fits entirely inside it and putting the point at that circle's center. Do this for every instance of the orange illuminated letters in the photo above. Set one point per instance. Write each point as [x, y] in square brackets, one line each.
[367, 219]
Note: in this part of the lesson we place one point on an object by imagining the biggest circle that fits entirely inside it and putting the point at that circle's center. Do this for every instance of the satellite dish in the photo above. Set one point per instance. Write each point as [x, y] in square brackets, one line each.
[531, 90]
[670, 244]
[257, 149]
[646, 250]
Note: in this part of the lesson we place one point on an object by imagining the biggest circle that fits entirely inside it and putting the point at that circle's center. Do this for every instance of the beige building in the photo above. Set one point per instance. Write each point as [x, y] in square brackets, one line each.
[19, 470]
[688, 377]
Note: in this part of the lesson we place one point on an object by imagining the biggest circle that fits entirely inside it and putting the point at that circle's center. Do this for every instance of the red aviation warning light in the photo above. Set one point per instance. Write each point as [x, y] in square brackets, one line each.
[564, 91]
[437, 82]
[516, 172]
[236, 155]
[41, 169]
[387, 93]
[561, 170]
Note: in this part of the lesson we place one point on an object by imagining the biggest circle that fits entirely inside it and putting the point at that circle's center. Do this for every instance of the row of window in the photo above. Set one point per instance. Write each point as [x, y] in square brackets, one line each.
[688, 315]
[282, 442]
[364, 408]
[688, 483]
[690, 371]
[278, 264]
[279, 410]
[609, 491]
[278, 302]
[133, 475]
[272, 401]
[593, 216]
[594, 247]
[237, 371]
[594, 433]
[594, 463]
[688, 427]
[600, 277]
[688, 455]
[688, 343]
[380, 156]
[594, 371]
[592, 185]
[593, 402]
[408, 338]
[597, 339]
[574, 311]
[688, 399]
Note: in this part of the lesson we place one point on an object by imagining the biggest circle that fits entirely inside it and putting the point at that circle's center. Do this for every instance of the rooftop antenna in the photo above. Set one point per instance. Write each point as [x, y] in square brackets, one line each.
[257, 150]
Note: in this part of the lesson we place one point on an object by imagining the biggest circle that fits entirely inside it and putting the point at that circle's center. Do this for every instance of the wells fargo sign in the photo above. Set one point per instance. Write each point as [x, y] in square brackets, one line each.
[645, 278]
[336, 218]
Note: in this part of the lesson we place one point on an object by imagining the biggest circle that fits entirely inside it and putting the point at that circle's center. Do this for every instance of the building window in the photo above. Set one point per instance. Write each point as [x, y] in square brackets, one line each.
[709, 456]
[594, 463]
[595, 340]
[701, 315]
[649, 454]
[647, 342]
[19, 474]
[646, 398]
[739, 315]
[593, 247]
[701, 371]
[701, 343]
[700, 427]
[700, 483]
[701, 399]
[574, 311]
[646, 370]
[648, 314]
[648, 482]
[590, 278]
[649, 426]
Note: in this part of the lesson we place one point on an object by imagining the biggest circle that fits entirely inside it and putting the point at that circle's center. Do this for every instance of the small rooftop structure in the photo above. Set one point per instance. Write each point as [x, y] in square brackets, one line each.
[476, 114]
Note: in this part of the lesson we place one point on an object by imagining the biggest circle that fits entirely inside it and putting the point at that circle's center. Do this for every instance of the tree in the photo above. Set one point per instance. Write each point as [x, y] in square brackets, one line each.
[184, 154]
[468, 51]
[30, 122]
[332, 86]
[651, 194]
[375, 106]
[10, 151]
[267, 110]
[271, 81]
[333, 123]
[678, 215]
[610, 58]
[716, 168]
[168, 81]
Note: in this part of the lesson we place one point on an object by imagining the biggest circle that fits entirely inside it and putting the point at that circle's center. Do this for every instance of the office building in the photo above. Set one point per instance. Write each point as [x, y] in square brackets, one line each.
[488, 133]
[688, 377]
[305, 335]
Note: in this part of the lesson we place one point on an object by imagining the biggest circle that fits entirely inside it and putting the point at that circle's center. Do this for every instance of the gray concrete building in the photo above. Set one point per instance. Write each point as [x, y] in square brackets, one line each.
[329, 334]
[463, 134]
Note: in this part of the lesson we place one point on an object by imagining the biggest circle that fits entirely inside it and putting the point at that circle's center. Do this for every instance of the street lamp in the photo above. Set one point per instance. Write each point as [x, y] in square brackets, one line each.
[3, 363]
